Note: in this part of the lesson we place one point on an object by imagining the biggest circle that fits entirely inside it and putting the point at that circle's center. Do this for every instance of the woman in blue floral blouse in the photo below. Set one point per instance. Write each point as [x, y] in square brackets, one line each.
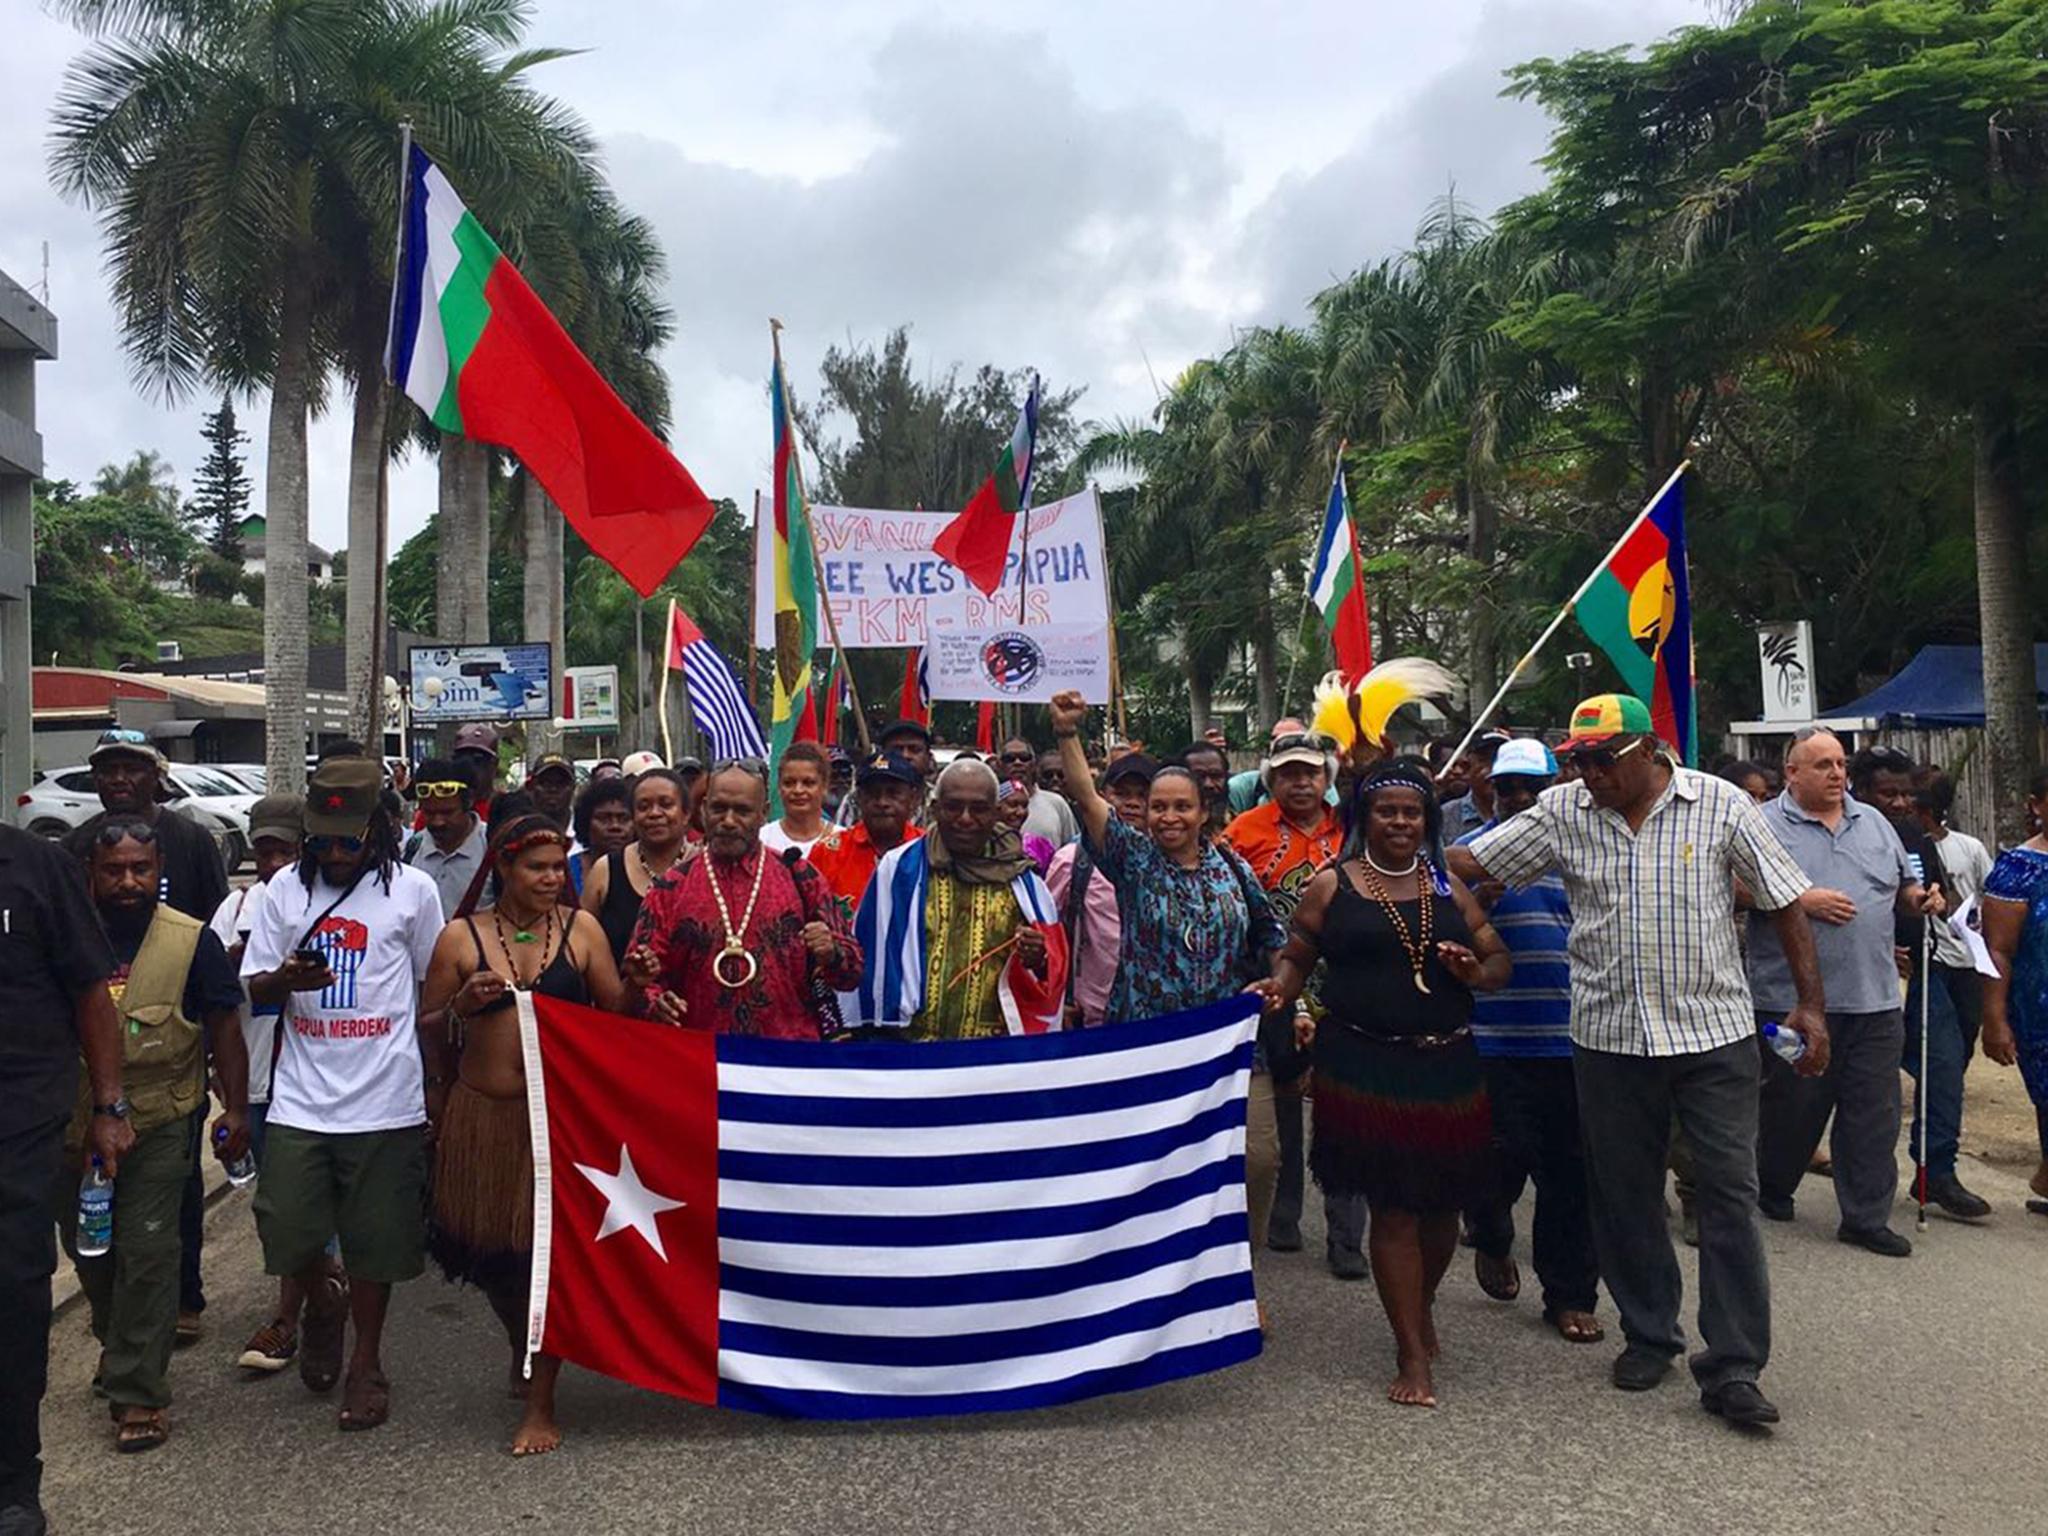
[2015, 912]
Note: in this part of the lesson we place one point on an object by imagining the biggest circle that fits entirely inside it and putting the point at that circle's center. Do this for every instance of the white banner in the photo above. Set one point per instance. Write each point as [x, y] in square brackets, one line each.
[887, 589]
[1027, 664]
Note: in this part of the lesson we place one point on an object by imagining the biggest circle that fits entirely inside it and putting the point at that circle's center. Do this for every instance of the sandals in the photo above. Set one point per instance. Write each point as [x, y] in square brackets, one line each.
[1499, 1278]
[365, 1401]
[1576, 1327]
[140, 1429]
[320, 1336]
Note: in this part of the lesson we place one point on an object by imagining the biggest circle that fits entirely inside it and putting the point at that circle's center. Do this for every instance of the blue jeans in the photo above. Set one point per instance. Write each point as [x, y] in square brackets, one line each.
[1951, 1037]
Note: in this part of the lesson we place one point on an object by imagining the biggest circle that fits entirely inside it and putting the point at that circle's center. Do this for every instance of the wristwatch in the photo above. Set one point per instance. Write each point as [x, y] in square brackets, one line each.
[117, 1110]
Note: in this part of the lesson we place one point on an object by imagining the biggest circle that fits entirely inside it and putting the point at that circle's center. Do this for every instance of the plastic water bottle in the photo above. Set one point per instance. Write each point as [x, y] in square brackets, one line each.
[95, 1212]
[1788, 1043]
[243, 1168]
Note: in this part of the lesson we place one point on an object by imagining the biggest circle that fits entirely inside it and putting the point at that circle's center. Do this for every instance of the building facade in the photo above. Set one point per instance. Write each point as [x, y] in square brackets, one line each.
[28, 335]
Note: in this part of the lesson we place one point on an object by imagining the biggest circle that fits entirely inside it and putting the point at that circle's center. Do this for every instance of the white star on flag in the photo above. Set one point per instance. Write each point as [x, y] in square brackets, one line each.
[629, 1203]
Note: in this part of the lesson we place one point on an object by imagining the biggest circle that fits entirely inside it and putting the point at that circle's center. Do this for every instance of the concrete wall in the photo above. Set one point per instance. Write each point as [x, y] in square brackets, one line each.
[28, 335]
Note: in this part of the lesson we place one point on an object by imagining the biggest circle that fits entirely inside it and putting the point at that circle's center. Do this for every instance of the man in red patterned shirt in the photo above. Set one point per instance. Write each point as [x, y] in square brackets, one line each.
[739, 941]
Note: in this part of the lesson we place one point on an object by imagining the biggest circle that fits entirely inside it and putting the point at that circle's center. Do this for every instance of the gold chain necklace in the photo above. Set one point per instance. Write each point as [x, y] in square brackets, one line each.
[1418, 949]
[734, 937]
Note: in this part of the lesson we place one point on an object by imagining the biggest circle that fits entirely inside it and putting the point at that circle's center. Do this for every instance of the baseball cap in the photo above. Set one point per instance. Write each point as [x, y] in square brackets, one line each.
[119, 742]
[550, 762]
[906, 728]
[888, 768]
[636, 763]
[1132, 765]
[477, 737]
[280, 816]
[687, 765]
[342, 796]
[1598, 720]
[1300, 747]
[1525, 756]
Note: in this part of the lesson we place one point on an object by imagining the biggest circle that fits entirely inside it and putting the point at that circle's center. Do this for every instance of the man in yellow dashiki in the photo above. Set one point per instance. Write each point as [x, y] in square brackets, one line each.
[966, 941]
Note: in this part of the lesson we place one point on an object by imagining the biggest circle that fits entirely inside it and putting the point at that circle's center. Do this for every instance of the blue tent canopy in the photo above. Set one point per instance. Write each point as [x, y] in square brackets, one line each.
[1942, 686]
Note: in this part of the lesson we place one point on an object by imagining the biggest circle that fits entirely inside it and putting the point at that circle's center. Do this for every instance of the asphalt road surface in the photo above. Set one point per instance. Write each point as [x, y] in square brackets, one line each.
[1915, 1395]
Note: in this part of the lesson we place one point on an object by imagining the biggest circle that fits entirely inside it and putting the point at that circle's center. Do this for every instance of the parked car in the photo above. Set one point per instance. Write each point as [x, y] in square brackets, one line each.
[63, 798]
[253, 777]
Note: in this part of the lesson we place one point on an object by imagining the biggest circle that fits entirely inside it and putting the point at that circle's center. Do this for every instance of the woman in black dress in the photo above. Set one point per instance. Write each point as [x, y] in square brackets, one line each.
[1401, 1114]
[617, 883]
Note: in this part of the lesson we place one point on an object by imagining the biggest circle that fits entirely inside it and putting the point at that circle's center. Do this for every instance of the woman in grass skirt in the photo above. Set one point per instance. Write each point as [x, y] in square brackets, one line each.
[481, 1227]
[1400, 1108]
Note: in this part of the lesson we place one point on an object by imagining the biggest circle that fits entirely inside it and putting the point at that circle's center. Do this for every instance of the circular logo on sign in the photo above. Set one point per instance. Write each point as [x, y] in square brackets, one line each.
[1012, 661]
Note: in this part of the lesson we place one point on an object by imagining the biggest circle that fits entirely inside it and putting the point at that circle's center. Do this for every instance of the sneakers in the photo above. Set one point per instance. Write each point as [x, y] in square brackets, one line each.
[190, 1330]
[270, 1348]
[1959, 1202]
[1283, 1236]
[1739, 1402]
[1879, 1240]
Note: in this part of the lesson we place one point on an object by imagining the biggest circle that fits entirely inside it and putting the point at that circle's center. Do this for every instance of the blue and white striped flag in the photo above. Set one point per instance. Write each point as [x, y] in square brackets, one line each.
[717, 703]
[884, 1230]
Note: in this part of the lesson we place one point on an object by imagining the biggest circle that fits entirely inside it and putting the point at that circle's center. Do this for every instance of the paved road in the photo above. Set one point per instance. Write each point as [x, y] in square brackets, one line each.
[1916, 1396]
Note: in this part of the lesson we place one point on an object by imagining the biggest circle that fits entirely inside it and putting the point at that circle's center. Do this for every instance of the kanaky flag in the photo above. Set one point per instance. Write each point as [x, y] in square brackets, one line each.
[1637, 607]
[473, 346]
[875, 1230]
[978, 540]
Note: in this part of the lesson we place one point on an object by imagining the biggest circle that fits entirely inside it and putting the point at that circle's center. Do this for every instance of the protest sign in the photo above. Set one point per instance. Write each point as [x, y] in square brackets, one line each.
[1026, 664]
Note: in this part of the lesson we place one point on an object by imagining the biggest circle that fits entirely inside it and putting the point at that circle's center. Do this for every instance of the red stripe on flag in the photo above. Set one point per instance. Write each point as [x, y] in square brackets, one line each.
[614, 1304]
[978, 540]
[910, 703]
[985, 727]
[1641, 550]
[526, 387]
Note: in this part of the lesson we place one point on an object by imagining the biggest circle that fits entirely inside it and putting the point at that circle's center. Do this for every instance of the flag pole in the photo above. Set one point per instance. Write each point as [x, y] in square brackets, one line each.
[1479, 720]
[1920, 1087]
[1308, 594]
[796, 464]
[668, 640]
[640, 669]
[754, 618]
[1024, 516]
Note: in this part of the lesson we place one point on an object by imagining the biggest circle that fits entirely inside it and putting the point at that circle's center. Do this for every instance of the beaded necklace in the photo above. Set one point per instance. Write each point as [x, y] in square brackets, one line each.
[1417, 947]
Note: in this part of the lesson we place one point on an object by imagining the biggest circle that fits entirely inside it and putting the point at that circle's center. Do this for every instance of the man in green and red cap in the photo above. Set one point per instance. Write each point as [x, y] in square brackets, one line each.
[1662, 1024]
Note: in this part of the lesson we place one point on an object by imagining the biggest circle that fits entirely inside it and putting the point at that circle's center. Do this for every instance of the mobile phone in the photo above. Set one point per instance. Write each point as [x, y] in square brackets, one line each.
[305, 954]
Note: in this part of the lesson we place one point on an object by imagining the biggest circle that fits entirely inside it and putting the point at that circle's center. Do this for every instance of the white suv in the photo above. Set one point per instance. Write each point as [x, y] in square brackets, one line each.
[63, 798]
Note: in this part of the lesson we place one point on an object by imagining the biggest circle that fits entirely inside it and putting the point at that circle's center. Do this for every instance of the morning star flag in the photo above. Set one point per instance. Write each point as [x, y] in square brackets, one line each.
[863, 1231]
[1637, 607]
[1336, 584]
[716, 701]
[480, 354]
[978, 540]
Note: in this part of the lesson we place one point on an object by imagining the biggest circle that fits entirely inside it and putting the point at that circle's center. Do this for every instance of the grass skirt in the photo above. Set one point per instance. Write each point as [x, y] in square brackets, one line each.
[482, 1225]
[1404, 1124]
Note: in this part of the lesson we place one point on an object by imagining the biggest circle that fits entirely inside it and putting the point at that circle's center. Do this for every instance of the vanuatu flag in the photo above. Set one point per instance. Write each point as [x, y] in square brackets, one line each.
[796, 584]
[476, 350]
[1638, 609]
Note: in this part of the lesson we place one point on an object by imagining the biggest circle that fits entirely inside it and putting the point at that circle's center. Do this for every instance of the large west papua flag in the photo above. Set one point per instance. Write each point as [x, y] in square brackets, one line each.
[880, 1230]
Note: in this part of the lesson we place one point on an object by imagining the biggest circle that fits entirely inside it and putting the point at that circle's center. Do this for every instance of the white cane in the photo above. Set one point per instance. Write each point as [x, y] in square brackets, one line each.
[1926, 981]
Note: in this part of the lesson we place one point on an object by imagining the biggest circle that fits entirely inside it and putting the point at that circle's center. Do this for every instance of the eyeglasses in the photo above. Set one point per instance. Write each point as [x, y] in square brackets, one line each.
[1602, 757]
[1018, 757]
[440, 789]
[113, 832]
[330, 843]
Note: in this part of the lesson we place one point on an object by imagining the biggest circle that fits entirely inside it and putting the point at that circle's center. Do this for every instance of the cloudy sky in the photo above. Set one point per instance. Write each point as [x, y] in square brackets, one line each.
[1102, 191]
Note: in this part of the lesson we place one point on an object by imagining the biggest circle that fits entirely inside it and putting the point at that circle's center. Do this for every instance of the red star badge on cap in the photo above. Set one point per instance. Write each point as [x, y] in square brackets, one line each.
[334, 802]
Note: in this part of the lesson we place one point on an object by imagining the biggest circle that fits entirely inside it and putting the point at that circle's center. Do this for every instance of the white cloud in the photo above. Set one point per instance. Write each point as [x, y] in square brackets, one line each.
[1103, 192]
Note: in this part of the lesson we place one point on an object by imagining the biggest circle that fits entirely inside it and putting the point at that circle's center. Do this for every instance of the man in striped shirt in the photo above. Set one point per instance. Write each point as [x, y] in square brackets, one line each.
[1662, 1021]
[1525, 1048]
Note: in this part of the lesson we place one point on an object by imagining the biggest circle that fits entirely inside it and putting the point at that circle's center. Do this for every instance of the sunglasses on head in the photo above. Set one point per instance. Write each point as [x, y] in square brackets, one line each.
[331, 843]
[122, 831]
[440, 789]
[1602, 757]
[1295, 740]
[757, 766]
